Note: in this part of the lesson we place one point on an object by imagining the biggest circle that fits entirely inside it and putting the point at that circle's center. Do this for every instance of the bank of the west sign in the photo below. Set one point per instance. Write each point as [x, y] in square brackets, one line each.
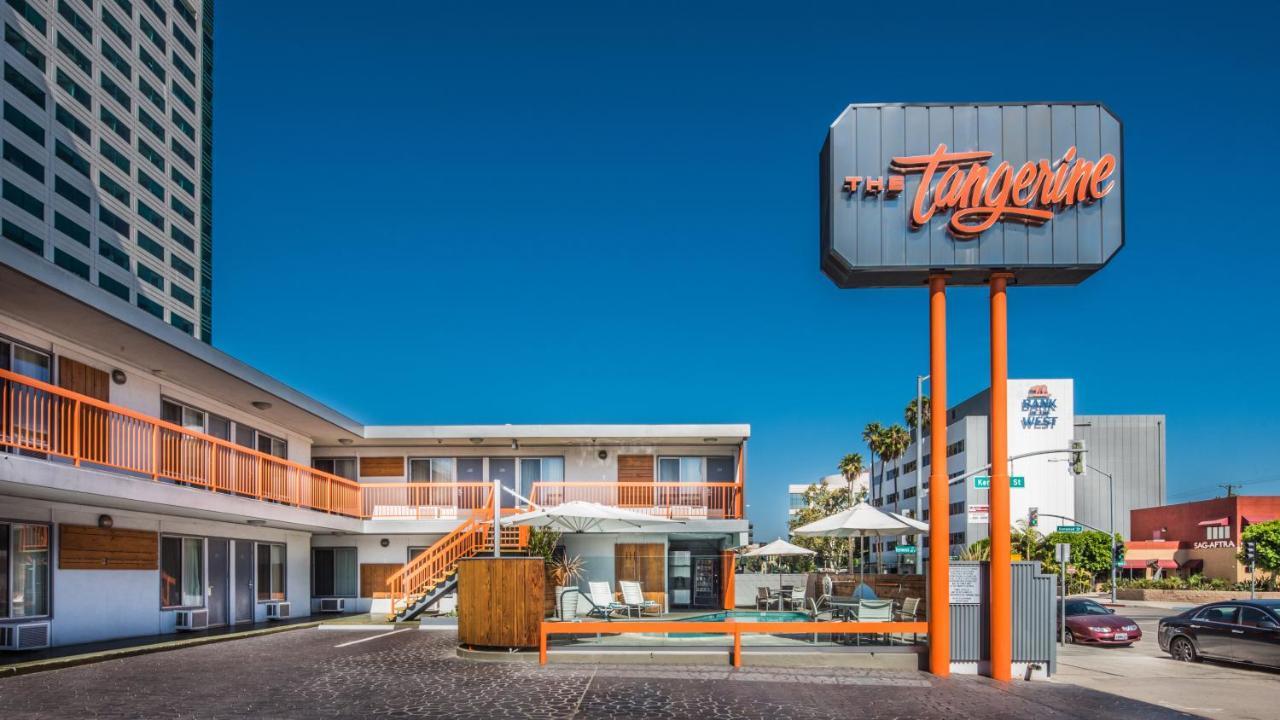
[910, 189]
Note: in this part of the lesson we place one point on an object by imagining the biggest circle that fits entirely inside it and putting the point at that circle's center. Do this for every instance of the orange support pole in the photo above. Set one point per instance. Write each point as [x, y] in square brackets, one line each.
[1001, 601]
[737, 647]
[939, 493]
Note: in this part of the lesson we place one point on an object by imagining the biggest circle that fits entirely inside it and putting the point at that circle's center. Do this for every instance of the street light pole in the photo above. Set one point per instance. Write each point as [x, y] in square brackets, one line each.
[1111, 510]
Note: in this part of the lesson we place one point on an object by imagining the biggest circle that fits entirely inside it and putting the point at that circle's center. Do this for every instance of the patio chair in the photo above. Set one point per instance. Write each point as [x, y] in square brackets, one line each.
[874, 611]
[909, 612]
[633, 597]
[797, 597]
[762, 596]
[602, 602]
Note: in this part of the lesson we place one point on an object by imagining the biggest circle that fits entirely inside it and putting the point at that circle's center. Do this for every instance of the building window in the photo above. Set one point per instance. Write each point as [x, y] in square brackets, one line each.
[150, 276]
[24, 48]
[70, 263]
[150, 306]
[151, 94]
[343, 467]
[71, 158]
[29, 127]
[546, 469]
[23, 161]
[1217, 532]
[334, 572]
[80, 24]
[113, 286]
[30, 14]
[114, 254]
[181, 572]
[23, 85]
[23, 199]
[271, 582]
[24, 570]
[956, 538]
[118, 62]
[272, 445]
[956, 508]
[955, 448]
[796, 501]
[432, 470]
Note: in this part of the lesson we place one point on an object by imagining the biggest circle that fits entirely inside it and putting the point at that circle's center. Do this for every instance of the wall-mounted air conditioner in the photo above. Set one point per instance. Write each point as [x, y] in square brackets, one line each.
[27, 636]
[192, 619]
[333, 605]
[277, 610]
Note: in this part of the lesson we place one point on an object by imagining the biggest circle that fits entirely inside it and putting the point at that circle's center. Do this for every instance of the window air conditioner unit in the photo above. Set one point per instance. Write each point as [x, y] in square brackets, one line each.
[277, 610]
[28, 636]
[333, 605]
[192, 619]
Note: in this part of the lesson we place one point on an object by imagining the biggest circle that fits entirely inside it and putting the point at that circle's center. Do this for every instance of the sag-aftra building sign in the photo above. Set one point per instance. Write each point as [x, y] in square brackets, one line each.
[909, 190]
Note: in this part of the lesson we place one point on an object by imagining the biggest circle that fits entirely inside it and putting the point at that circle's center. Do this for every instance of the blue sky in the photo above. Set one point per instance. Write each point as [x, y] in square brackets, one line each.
[487, 212]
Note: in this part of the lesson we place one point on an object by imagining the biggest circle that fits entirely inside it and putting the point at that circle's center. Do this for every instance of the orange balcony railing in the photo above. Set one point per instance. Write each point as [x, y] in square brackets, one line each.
[678, 500]
[40, 418]
[47, 420]
[423, 501]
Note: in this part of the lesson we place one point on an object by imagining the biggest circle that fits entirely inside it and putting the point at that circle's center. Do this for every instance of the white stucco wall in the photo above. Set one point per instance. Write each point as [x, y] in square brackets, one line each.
[92, 605]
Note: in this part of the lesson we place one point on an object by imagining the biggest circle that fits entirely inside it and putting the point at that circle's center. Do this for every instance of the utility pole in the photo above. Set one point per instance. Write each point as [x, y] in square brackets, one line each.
[1230, 488]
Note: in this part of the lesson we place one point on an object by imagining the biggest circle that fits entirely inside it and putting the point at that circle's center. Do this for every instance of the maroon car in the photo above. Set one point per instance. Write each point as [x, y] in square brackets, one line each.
[1092, 624]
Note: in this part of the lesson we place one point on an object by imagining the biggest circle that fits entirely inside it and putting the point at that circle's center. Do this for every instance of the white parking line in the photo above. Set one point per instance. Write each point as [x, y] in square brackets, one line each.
[375, 637]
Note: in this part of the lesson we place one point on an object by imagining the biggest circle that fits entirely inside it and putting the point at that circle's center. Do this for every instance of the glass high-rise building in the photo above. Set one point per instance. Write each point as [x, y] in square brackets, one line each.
[107, 135]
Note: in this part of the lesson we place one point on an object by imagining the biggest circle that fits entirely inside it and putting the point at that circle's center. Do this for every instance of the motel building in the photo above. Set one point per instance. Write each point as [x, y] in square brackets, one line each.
[1195, 538]
[150, 483]
[1041, 417]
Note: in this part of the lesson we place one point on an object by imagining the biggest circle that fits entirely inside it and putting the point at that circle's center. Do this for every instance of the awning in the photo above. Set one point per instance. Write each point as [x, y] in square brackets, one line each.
[1217, 521]
[1255, 519]
[1132, 564]
[1166, 564]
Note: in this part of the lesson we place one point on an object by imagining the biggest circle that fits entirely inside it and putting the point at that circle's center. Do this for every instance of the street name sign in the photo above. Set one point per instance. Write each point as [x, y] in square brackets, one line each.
[1015, 481]
[905, 549]
[1071, 529]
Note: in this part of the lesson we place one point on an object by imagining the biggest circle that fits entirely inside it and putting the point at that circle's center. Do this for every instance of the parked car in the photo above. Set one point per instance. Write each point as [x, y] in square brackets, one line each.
[1090, 623]
[1238, 630]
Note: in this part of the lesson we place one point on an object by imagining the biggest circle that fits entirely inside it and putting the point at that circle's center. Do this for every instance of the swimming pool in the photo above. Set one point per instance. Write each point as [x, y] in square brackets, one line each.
[750, 616]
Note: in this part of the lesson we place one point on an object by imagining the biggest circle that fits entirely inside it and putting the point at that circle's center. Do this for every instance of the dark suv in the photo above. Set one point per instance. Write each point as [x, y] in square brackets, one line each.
[1237, 630]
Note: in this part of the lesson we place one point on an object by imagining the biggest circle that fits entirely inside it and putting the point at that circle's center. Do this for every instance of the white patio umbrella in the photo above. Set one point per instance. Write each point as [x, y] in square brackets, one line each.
[779, 548]
[861, 520]
[578, 516]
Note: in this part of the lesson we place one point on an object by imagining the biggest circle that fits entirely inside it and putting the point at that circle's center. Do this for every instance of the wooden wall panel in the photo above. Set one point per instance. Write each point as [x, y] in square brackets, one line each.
[634, 469]
[84, 547]
[78, 377]
[382, 467]
[373, 579]
[500, 602]
[643, 562]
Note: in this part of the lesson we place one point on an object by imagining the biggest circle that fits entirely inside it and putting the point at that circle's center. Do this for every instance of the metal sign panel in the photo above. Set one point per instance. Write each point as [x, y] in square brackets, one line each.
[984, 481]
[907, 190]
[966, 584]
[1070, 529]
[1062, 553]
[980, 514]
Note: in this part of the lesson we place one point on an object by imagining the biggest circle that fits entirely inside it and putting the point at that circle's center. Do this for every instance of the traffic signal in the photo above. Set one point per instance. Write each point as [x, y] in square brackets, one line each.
[1250, 552]
[1119, 558]
[1033, 517]
[1077, 457]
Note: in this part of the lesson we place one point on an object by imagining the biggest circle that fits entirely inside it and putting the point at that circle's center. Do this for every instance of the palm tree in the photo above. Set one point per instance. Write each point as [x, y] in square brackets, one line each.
[873, 435]
[851, 467]
[910, 414]
[894, 446]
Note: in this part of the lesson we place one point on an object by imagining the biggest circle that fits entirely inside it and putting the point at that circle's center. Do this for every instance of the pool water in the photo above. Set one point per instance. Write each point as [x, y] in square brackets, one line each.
[751, 616]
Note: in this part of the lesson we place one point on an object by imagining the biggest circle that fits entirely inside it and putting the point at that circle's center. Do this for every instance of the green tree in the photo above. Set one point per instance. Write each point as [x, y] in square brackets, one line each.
[1267, 537]
[909, 414]
[851, 467]
[820, 501]
[893, 446]
[873, 436]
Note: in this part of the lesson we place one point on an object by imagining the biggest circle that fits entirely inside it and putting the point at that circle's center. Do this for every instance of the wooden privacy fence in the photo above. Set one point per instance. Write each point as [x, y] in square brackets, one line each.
[728, 627]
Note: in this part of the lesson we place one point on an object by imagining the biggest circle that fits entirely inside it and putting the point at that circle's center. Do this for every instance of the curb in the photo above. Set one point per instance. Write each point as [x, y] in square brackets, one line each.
[35, 666]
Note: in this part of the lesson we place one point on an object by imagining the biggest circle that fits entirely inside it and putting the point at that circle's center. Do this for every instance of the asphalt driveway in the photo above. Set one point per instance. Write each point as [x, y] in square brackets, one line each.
[312, 673]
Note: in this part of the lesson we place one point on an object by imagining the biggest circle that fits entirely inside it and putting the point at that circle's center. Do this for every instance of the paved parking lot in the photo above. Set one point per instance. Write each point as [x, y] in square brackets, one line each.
[312, 673]
[1142, 672]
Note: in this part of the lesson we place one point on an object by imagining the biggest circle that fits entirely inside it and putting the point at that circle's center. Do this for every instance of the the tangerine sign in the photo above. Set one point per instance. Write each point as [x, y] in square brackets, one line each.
[968, 189]
[978, 196]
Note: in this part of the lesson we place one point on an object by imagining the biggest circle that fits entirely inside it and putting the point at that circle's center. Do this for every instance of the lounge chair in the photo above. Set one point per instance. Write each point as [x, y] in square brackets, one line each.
[602, 602]
[633, 597]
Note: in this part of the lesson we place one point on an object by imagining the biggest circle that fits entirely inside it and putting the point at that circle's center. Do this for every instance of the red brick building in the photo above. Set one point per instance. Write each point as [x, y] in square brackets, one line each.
[1195, 537]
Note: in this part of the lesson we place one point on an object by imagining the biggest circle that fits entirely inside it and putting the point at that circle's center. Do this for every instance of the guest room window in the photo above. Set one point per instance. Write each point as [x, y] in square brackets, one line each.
[334, 572]
[547, 469]
[24, 570]
[271, 584]
[343, 467]
[181, 572]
